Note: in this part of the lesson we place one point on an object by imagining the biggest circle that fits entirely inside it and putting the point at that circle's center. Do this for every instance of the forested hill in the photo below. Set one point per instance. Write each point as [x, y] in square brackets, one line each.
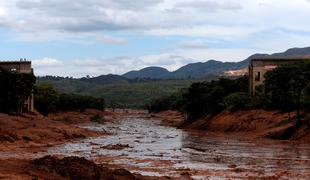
[117, 90]
[202, 69]
[149, 72]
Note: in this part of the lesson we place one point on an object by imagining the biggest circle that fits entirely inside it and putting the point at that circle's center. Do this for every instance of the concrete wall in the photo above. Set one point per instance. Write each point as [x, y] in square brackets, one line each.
[19, 66]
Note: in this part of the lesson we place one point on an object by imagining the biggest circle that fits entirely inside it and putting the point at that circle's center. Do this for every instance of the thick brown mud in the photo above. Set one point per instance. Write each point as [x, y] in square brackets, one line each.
[146, 146]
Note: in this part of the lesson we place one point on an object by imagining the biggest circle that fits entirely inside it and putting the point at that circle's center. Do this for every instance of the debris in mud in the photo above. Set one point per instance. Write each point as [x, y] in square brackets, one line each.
[170, 137]
[115, 146]
[186, 176]
[78, 136]
[26, 138]
[233, 166]
[75, 168]
[8, 138]
[198, 149]
[93, 144]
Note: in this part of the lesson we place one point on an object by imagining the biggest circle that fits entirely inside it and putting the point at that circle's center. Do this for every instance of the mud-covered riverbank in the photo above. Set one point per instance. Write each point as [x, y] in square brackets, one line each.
[253, 124]
[146, 146]
[25, 140]
[143, 146]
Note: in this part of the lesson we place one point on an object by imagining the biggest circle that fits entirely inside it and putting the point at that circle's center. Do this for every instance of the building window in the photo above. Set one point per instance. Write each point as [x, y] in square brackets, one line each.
[257, 76]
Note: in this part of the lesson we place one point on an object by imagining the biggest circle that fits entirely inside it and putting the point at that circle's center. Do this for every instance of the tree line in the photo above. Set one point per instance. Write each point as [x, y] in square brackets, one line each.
[286, 88]
[48, 100]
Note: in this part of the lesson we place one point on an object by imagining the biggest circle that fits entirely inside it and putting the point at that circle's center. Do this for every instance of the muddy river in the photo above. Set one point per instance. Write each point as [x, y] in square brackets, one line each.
[145, 146]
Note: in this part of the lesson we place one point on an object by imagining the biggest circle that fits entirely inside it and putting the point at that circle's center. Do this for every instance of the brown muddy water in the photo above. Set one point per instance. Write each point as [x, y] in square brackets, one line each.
[145, 146]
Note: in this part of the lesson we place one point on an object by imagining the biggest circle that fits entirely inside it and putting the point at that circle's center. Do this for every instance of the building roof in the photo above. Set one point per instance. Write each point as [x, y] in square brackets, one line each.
[15, 62]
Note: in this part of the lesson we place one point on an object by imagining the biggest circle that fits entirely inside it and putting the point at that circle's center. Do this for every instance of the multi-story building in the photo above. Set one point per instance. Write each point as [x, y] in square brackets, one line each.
[22, 66]
[258, 68]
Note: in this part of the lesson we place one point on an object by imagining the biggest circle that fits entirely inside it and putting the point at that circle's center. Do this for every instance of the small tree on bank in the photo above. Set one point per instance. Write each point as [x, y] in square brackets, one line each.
[45, 99]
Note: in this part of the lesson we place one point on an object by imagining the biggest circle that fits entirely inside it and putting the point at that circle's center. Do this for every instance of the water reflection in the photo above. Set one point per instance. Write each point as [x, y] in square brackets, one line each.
[252, 155]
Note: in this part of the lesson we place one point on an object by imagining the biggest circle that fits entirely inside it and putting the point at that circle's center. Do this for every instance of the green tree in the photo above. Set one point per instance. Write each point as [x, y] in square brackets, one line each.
[237, 100]
[306, 98]
[286, 84]
[72, 102]
[15, 89]
[172, 102]
[45, 99]
[205, 98]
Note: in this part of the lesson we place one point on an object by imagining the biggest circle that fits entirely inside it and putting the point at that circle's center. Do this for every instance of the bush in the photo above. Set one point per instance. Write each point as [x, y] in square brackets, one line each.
[45, 99]
[305, 99]
[237, 100]
[172, 102]
[207, 97]
[72, 102]
[202, 98]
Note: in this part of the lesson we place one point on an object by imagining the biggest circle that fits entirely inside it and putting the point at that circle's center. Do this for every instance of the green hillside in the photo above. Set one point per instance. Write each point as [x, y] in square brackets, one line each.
[136, 95]
[130, 94]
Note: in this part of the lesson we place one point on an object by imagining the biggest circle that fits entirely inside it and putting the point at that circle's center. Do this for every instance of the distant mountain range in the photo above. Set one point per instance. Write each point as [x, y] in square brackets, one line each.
[136, 88]
[207, 70]
[211, 67]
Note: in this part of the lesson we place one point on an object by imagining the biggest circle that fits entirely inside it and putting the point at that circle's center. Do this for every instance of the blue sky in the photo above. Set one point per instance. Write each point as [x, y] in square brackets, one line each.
[94, 37]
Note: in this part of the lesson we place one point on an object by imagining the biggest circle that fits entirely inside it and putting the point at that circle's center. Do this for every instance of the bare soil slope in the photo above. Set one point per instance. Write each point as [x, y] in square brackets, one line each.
[255, 124]
[36, 133]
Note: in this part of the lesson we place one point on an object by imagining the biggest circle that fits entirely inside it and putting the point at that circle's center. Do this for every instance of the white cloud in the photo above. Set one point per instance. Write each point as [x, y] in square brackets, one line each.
[80, 16]
[99, 66]
[111, 40]
[227, 20]
[220, 54]
[49, 66]
[3, 12]
[242, 27]
[210, 31]
[71, 18]
[209, 5]
[193, 44]
[47, 62]
[88, 62]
